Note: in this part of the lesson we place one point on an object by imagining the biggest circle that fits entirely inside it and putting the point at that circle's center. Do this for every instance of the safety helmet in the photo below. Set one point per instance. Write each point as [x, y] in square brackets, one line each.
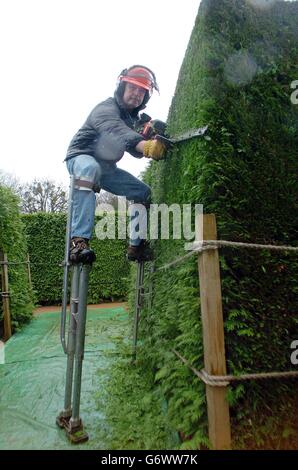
[138, 75]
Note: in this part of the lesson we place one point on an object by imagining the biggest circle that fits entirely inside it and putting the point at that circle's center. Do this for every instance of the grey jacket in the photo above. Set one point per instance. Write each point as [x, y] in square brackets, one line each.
[108, 132]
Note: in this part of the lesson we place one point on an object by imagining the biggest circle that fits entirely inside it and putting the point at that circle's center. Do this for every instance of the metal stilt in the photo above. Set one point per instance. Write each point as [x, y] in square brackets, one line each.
[69, 418]
[138, 305]
[71, 339]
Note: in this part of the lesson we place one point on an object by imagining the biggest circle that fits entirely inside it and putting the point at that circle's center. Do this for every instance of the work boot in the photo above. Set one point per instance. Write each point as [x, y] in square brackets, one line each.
[141, 252]
[80, 252]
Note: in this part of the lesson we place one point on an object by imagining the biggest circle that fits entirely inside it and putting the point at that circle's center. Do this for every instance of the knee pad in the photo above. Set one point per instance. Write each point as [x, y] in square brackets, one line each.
[84, 183]
[86, 172]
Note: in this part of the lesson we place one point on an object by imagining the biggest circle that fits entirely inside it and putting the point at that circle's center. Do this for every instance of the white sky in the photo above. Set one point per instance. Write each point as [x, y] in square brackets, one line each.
[61, 57]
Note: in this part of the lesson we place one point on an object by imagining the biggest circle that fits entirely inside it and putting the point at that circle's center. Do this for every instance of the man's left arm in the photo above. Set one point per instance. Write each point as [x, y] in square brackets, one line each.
[150, 147]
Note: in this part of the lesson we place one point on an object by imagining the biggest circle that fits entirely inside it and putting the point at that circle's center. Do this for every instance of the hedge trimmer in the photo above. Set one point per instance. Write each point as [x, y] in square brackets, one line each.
[156, 129]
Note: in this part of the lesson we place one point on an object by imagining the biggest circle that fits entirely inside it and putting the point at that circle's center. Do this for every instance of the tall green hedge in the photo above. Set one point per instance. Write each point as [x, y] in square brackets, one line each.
[236, 78]
[46, 243]
[13, 244]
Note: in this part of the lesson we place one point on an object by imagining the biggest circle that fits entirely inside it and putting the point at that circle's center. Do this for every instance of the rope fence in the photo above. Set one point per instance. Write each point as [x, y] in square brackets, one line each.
[199, 245]
[205, 245]
[224, 380]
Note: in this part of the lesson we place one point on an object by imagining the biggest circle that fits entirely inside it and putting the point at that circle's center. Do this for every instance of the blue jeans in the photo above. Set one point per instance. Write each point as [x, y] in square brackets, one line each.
[107, 176]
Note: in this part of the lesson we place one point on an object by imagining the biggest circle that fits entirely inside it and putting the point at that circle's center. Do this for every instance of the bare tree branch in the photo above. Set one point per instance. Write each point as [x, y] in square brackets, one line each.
[43, 196]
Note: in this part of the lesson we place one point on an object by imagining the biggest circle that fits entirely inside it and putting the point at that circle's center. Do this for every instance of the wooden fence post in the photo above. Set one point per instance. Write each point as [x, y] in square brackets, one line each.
[5, 298]
[213, 335]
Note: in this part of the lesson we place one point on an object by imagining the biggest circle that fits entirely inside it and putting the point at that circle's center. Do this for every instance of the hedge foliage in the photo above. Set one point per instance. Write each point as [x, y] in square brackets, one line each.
[13, 244]
[236, 77]
[46, 244]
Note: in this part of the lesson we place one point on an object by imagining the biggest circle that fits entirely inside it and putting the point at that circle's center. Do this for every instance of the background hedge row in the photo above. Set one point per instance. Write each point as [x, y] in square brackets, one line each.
[236, 77]
[46, 244]
[13, 243]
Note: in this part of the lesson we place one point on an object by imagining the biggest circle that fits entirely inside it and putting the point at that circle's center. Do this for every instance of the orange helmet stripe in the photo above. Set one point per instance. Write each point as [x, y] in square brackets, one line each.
[139, 76]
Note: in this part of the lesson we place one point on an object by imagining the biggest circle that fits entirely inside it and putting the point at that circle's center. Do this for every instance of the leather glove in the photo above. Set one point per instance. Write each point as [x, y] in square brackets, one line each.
[154, 149]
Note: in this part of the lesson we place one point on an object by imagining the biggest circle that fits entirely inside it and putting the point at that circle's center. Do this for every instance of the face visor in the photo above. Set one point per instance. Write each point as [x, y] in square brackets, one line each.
[140, 76]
